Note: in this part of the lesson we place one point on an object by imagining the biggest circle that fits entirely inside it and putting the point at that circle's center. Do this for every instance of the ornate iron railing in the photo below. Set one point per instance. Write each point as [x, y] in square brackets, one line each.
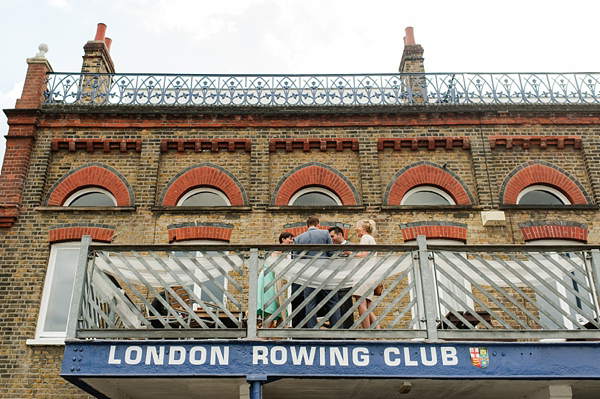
[461, 292]
[323, 90]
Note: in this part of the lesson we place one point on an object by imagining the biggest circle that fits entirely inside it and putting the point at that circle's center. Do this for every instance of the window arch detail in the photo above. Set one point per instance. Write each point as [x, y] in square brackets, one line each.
[91, 175]
[315, 174]
[434, 230]
[200, 231]
[427, 174]
[203, 175]
[75, 231]
[554, 229]
[542, 173]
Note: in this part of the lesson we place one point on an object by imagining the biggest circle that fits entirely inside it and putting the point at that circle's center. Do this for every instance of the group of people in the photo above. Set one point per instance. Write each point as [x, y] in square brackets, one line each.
[314, 235]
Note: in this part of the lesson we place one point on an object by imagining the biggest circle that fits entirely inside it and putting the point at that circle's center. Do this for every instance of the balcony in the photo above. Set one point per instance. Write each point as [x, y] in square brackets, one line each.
[322, 90]
[453, 313]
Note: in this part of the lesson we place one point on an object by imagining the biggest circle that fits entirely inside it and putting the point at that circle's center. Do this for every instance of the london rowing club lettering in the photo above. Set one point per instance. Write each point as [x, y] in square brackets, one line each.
[301, 355]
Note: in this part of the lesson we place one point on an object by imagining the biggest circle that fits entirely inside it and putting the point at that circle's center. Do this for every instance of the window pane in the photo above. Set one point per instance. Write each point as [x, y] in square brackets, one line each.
[425, 198]
[210, 286]
[204, 198]
[315, 199]
[61, 288]
[93, 199]
[540, 197]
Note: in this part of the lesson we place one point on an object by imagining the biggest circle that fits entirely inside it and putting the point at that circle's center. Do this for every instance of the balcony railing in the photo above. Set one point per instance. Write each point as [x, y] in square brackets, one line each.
[435, 292]
[322, 90]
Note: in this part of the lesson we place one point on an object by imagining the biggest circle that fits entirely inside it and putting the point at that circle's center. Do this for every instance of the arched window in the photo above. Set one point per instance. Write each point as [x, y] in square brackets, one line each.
[93, 196]
[204, 196]
[426, 195]
[315, 196]
[541, 195]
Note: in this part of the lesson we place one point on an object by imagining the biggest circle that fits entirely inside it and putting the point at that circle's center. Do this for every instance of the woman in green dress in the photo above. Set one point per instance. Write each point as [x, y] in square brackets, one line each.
[285, 238]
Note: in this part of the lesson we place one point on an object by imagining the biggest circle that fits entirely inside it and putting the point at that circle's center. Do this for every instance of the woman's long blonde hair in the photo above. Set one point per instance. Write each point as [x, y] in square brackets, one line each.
[367, 225]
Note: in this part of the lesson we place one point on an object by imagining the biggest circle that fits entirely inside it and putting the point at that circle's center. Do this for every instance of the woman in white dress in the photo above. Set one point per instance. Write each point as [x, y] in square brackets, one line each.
[364, 229]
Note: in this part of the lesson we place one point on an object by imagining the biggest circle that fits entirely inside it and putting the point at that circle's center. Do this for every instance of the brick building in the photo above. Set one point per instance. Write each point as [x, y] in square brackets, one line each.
[503, 170]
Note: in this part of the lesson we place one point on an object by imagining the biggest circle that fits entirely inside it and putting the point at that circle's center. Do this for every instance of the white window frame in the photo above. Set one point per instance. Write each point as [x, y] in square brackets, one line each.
[52, 338]
[541, 187]
[436, 190]
[321, 190]
[83, 191]
[203, 190]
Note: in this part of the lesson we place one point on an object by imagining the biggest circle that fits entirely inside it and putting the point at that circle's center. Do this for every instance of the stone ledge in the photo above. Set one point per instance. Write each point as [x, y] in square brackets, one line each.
[200, 209]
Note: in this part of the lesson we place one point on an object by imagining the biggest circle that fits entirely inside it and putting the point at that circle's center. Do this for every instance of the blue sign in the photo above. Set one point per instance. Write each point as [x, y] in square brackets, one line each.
[370, 359]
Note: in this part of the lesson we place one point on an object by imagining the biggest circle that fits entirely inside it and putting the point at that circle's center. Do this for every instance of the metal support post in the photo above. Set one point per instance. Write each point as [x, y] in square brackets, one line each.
[77, 297]
[596, 274]
[428, 282]
[252, 293]
[256, 381]
[256, 390]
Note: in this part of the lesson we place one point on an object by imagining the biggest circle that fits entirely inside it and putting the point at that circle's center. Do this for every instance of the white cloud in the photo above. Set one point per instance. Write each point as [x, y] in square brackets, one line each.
[62, 4]
[200, 19]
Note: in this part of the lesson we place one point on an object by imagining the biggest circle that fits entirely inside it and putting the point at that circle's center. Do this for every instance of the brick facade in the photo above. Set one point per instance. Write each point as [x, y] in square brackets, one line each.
[260, 157]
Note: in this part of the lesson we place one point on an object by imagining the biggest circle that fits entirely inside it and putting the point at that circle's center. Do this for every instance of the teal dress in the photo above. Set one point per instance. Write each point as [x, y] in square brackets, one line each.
[264, 297]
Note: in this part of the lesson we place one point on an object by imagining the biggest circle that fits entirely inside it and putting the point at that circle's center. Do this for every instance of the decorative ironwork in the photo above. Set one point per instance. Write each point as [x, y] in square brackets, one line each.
[323, 90]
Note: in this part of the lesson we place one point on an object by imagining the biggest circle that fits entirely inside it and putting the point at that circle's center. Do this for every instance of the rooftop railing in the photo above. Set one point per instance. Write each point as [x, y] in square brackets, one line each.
[311, 292]
[322, 90]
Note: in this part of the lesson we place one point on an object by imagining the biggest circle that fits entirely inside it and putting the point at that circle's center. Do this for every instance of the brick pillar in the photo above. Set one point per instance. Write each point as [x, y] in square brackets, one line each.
[259, 197]
[369, 171]
[20, 138]
[413, 62]
[591, 149]
[484, 180]
[146, 195]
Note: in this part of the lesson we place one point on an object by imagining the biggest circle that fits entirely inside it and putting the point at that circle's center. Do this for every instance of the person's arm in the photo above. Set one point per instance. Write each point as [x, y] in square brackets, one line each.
[329, 241]
[363, 241]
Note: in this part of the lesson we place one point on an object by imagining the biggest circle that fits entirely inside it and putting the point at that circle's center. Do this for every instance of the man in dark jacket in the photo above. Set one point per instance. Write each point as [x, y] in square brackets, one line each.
[318, 237]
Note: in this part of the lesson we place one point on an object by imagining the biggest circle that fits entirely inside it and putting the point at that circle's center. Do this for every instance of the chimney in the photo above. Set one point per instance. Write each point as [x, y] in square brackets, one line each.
[412, 57]
[22, 133]
[97, 53]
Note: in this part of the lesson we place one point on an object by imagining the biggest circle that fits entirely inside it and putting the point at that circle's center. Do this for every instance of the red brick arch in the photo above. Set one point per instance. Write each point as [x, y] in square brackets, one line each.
[432, 230]
[91, 175]
[544, 174]
[426, 174]
[314, 175]
[74, 232]
[200, 231]
[204, 176]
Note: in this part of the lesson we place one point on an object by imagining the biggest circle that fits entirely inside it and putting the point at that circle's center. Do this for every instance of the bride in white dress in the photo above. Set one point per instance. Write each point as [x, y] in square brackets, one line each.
[364, 229]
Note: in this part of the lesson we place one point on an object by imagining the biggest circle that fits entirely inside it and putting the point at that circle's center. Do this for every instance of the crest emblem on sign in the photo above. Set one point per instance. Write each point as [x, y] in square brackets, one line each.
[479, 357]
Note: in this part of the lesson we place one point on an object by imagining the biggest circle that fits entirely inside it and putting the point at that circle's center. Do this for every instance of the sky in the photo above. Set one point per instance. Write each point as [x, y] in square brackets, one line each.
[298, 36]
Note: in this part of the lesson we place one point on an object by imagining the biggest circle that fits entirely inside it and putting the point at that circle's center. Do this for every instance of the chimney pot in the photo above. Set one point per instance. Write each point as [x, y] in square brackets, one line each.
[410, 36]
[100, 32]
[108, 42]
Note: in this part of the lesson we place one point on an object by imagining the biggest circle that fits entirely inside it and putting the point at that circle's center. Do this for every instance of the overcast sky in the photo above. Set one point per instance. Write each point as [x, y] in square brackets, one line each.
[298, 36]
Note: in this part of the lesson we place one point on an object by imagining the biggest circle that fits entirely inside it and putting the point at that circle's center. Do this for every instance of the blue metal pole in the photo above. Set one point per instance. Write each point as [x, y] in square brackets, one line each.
[255, 390]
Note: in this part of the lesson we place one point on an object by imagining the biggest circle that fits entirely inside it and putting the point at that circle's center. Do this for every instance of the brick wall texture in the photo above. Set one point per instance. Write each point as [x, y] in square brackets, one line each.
[147, 160]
